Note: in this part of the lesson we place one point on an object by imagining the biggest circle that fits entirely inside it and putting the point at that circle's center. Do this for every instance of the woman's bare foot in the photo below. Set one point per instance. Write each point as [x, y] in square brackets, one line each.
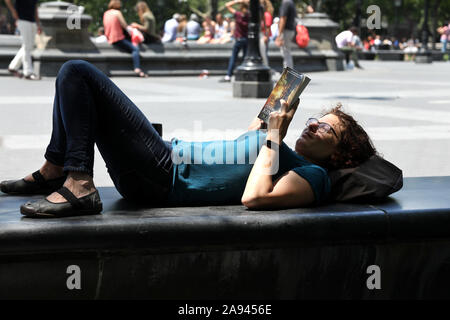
[49, 171]
[79, 183]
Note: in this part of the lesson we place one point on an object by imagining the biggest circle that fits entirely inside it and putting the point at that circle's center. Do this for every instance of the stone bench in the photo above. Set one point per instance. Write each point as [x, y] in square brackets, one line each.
[229, 252]
[167, 59]
[393, 55]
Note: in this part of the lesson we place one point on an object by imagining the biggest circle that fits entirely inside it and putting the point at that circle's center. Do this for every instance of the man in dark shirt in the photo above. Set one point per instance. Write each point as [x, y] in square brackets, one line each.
[25, 14]
[286, 31]
[241, 19]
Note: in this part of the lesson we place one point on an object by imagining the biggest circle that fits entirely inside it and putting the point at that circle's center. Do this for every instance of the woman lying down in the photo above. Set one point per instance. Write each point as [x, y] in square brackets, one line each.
[257, 169]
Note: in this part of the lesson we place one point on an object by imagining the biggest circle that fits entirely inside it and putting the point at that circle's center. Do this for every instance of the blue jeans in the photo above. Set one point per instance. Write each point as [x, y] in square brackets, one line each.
[240, 43]
[129, 47]
[90, 109]
[444, 45]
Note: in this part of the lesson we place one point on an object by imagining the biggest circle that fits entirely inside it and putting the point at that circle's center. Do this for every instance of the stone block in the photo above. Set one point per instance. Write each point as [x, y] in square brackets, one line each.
[252, 89]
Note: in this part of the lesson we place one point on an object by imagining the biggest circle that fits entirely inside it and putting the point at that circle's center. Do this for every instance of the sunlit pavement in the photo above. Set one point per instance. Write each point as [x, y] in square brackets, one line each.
[405, 108]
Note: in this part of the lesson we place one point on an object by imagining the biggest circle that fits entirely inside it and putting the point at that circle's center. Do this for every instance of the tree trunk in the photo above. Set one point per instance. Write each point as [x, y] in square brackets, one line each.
[435, 16]
[213, 8]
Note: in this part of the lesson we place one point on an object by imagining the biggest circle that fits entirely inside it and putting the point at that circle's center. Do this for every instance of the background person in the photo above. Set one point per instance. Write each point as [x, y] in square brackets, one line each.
[100, 38]
[224, 31]
[348, 42]
[286, 31]
[241, 19]
[444, 31]
[115, 28]
[209, 28]
[410, 50]
[182, 29]
[193, 28]
[148, 26]
[274, 28]
[221, 27]
[25, 13]
[170, 28]
[265, 34]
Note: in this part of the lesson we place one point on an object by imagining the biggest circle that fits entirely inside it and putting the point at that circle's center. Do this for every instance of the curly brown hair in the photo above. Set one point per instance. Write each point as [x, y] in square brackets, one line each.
[355, 145]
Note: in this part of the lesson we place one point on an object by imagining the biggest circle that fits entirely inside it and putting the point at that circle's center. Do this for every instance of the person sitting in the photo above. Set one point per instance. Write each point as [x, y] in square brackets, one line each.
[193, 28]
[100, 38]
[115, 28]
[274, 29]
[182, 29]
[349, 42]
[170, 29]
[90, 109]
[410, 50]
[221, 27]
[224, 29]
[209, 29]
[148, 26]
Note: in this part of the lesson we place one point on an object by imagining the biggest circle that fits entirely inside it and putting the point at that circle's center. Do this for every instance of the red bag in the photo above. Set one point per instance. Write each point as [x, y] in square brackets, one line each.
[302, 37]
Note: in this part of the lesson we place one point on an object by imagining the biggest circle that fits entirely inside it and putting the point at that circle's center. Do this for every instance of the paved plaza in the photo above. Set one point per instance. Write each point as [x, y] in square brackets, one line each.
[404, 106]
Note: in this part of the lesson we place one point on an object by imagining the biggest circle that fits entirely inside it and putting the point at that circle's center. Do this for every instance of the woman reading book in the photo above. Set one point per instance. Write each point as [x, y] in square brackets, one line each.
[257, 169]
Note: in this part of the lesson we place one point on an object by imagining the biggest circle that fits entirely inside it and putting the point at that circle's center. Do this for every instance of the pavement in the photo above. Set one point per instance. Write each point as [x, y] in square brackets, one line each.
[405, 108]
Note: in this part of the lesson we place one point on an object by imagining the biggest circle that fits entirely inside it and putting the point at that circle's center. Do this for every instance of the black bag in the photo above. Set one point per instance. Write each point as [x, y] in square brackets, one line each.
[374, 179]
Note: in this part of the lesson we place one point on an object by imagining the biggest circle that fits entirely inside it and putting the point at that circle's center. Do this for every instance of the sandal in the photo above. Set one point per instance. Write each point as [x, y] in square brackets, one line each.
[87, 205]
[141, 74]
[32, 77]
[38, 186]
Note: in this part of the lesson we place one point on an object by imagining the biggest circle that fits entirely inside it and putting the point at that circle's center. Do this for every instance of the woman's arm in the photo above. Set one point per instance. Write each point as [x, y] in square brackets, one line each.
[230, 5]
[122, 21]
[290, 190]
[137, 26]
[11, 8]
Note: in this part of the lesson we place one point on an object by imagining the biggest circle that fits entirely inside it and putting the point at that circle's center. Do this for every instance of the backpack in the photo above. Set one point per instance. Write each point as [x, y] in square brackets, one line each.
[302, 36]
[374, 179]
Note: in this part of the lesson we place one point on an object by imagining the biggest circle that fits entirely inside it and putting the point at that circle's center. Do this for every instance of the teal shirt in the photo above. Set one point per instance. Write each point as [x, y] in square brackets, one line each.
[216, 172]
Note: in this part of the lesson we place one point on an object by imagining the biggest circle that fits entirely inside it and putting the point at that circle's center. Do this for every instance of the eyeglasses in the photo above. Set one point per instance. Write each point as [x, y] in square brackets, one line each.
[323, 126]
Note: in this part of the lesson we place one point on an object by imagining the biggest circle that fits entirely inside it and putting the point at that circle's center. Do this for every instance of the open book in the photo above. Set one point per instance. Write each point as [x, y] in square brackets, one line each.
[289, 87]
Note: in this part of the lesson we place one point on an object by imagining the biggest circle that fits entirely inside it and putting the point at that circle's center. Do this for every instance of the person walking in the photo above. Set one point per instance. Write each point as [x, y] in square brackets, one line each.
[25, 13]
[286, 31]
[241, 18]
[266, 23]
[115, 24]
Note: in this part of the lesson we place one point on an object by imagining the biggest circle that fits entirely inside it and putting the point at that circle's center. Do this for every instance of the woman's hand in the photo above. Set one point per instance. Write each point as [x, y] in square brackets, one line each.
[279, 121]
[256, 124]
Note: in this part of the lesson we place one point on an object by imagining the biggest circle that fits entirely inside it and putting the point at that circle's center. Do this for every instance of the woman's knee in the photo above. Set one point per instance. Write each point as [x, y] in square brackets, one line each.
[73, 67]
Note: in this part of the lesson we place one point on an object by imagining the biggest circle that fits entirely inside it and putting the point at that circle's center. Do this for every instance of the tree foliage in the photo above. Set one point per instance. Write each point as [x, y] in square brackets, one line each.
[409, 15]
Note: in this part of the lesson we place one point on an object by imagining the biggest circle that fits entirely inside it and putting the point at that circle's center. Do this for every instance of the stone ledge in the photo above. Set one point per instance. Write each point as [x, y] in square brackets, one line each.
[420, 209]
[167, 59]
[394, 55]
[228, 252]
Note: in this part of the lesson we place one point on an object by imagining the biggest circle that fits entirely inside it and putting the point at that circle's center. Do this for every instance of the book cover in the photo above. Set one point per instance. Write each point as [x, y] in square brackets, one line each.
[289, 87]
